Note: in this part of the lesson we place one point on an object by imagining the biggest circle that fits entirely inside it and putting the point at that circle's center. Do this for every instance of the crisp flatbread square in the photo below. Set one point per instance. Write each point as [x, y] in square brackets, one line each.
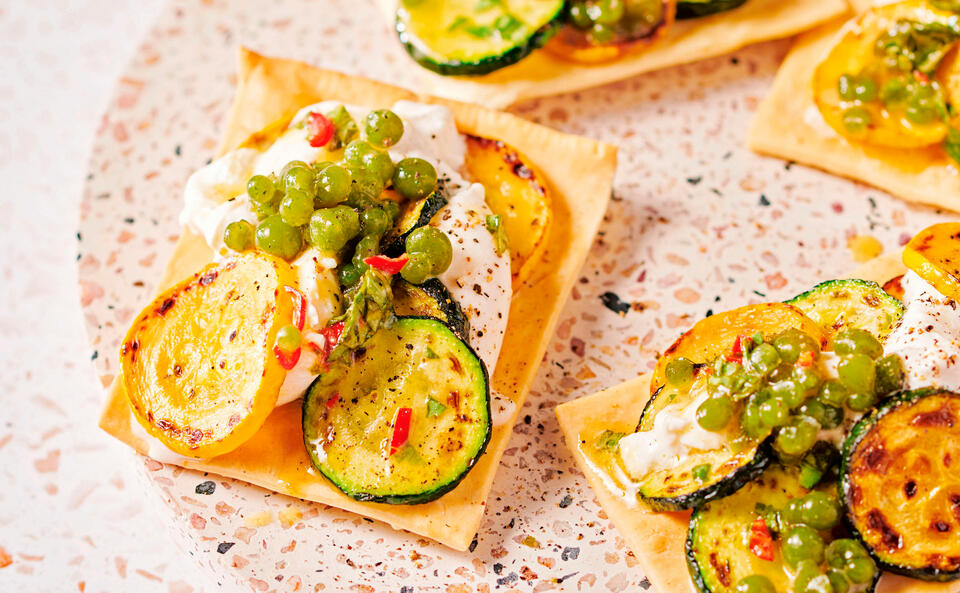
[657, 539]
[541, 73]
[788, 125]
[579, 173]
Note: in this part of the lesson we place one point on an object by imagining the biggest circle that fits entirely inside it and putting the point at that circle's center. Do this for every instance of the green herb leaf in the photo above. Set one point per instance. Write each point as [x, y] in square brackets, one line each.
[344, 128]
[483, 5]
[913, 45]
[479, 31]
[431, 353]
[771, 516]
[434, 408]
[951, 144]
[458, 22]
[608, 440]
[507, 25]
[495, 226]
[701, 472]
[370, 307]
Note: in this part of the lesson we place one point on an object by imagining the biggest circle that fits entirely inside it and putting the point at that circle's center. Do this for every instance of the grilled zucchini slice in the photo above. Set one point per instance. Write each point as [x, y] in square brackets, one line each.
[352, 415]
[718, 544]
[678, 488]
[415, 214]
[430, 299]
[692, 9]
[900, 483]
[840, 304]
[469, 38]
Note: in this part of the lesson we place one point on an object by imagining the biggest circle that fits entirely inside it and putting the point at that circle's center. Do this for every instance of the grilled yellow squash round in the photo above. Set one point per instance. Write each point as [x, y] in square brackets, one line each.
[197, 364]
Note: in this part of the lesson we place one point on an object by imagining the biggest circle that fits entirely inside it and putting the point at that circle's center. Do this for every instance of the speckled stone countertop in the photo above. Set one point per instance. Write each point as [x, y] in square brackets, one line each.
[72, 514]
[697, 223]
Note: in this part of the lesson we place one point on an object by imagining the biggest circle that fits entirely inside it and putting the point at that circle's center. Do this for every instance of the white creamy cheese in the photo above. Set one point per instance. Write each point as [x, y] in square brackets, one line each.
[674, 435]
[215, 196]
[927, 337]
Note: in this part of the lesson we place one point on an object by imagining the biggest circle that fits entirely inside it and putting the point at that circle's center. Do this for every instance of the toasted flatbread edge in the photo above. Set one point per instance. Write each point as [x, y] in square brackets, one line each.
[579, 173]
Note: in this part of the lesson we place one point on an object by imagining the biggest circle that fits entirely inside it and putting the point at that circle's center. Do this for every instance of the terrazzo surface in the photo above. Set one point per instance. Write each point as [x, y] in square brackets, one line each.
[697, 224]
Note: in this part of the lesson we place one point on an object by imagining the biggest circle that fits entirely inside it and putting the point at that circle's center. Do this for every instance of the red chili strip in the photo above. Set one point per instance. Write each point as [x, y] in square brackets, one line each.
[320, 128]
[805, 359]
[388, 265]
[334, 400]
[331, 335]
[299, 306]
[761, 542]
[288, 360]
[736, 353]
[401, 429]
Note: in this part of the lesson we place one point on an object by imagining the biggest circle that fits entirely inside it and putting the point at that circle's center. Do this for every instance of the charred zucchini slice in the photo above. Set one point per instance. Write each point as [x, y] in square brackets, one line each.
[718, 546]
[900, 484]
[683, 486]
[692, 9]
[405, 420]
[415, 214]
[840, 304]
[430, 299]
[467, 37]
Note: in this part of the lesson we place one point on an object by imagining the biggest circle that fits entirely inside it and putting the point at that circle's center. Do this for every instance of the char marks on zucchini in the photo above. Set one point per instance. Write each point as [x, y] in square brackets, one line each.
[901, 485]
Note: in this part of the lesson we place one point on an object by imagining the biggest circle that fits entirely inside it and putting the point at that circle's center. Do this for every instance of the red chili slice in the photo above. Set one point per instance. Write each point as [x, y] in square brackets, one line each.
[334, 400]
[288, 360]
[320, 128]
[736, 353]
[388, 265]
[761, 542]
[401, 429]
[805, 359]
[299, 306]
[331, 335]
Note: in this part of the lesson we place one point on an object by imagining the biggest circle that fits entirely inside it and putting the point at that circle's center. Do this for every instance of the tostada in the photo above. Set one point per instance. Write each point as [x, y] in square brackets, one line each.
[500, 52]
[874, 98]
[805, 446]
[365, 283]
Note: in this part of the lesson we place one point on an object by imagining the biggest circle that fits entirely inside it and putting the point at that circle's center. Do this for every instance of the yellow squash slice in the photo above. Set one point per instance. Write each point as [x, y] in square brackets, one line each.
[714, 335]
[854, 54]
[198, 366]
[514, 190]
[934, 255]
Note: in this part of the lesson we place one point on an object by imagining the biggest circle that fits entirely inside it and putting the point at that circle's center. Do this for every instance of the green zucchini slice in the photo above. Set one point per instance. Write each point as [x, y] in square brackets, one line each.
[473, 37]
[682, 487]
[718, 538]
[839, 304]
[351, 415]
[692, 9]
[900, 483]
[415, 214]
[430, 299]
